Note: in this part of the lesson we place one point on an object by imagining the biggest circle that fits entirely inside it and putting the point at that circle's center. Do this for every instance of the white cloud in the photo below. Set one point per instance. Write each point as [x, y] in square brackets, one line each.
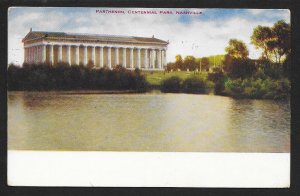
[197, 38]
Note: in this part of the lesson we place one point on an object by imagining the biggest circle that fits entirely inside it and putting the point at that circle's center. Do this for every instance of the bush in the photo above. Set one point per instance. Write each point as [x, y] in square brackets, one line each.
[238, 67]
[64, 77]
[258, 88]
[218, 77]
[194, 85]
[172, 84]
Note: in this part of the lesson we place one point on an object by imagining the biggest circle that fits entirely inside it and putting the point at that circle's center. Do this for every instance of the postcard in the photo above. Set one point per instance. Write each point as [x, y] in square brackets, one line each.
[143, 97]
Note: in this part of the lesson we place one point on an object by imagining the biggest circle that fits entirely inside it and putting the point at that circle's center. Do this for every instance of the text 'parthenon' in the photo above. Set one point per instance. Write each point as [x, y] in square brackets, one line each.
[99, 50]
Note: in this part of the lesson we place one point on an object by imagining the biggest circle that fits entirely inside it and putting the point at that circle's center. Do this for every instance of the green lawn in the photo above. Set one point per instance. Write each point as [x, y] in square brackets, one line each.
[155, 77]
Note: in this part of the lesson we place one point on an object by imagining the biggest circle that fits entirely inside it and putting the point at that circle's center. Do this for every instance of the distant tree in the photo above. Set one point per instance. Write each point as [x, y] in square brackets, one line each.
[171, 66]
[237, 49]
[204, 64]
[178, 62]
[189, 63]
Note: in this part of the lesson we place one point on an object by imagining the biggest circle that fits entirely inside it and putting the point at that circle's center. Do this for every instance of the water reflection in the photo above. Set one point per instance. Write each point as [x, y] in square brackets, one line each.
[146, 122]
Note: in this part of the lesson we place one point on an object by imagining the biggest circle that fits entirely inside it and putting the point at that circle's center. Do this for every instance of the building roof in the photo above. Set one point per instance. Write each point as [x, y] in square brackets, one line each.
[32, 35]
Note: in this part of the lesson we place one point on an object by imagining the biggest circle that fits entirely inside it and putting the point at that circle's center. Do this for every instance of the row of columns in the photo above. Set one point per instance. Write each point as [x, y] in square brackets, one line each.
[37, 54]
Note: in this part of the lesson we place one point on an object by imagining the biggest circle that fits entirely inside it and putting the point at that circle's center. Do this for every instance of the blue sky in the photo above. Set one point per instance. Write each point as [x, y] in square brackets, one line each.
[198, 35]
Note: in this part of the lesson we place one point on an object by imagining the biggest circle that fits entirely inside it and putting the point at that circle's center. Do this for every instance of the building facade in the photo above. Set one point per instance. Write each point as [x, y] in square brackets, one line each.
[98, 50]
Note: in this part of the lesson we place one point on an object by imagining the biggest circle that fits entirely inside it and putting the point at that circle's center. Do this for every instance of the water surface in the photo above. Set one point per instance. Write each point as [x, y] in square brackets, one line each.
[146, 122]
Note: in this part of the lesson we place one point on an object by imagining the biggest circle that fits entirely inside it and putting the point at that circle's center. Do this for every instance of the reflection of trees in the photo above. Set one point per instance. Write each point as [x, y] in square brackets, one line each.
[258, 126]
[39, 100]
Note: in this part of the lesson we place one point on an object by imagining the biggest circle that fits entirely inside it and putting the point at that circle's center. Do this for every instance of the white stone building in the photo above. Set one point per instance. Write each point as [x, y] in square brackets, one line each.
[99, 50]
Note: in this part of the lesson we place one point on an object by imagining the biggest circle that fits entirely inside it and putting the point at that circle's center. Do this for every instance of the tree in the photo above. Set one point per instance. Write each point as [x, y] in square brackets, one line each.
[236, 62]
[178, 62]
[204, 64]
[237, 49]
[260, 38]
[282, 37]
[274, 41]
[189, 63]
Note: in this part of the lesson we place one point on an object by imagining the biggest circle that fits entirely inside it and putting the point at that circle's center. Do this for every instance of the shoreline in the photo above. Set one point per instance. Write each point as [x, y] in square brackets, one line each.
[108, 92]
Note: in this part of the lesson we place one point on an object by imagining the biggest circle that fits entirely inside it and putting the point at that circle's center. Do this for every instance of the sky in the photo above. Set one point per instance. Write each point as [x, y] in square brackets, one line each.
[203, 34]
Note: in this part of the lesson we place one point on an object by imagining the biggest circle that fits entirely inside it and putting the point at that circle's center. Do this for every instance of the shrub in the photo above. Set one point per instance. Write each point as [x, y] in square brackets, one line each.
[171, 84]
[218, 77]
[194, 85]
[258, 88]
[64, 77]
[238, 67]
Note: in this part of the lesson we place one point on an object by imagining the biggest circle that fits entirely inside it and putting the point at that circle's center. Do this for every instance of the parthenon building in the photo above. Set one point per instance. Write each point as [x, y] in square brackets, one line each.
[100, 50]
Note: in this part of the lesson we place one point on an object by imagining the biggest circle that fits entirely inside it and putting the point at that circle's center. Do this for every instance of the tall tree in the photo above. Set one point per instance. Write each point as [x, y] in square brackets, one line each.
[237, 49]
[282, 37]
[274, 41]
[260, 38]
[236, 61]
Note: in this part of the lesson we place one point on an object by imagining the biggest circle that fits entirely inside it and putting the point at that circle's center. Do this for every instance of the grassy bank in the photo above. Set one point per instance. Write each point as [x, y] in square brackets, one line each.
[220, 83]
[45, 78]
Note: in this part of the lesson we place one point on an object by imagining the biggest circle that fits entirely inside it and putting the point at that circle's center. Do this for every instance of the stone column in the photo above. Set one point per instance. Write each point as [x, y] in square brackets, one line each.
[159, 59]
[44, 52]
[60, 53]
[27, 55]
[162, 58]
[51, 54]
[77, 55]
[109, 57]
[33, 54]
[139, 58]
[146, 58]
[153, 58]
[41, 54]
[85, 55]
[93, 55]
[37, 54]
[101, 56]
[165, 58]
[150, 59]
[69, 54]
[124, 57]
[116, 56]
[131, 57]
[24, 55]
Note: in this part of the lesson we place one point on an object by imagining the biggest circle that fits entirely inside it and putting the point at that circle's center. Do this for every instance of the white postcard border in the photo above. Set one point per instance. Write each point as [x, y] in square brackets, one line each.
[148, 169]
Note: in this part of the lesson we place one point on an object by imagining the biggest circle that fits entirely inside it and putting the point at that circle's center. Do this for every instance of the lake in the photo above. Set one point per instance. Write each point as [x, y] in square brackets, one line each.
[76, 121]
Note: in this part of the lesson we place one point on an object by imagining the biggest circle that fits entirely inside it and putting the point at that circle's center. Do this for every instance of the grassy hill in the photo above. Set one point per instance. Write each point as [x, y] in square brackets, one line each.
[155, 77]
[217, 58]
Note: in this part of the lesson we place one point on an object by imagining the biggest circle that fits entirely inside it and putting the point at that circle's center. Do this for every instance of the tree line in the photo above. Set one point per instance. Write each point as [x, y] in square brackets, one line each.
[192, 63]
[65, 77]
[241, 77]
